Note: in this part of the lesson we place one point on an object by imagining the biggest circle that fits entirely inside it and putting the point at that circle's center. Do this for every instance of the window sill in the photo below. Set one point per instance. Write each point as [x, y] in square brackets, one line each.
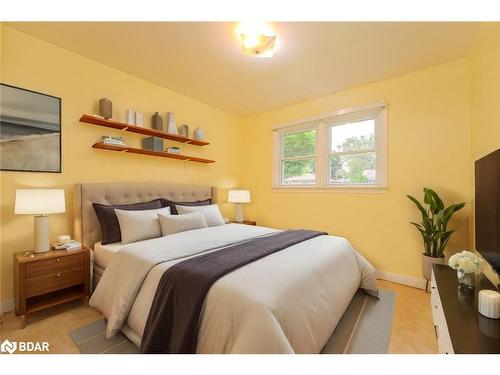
[348, 189]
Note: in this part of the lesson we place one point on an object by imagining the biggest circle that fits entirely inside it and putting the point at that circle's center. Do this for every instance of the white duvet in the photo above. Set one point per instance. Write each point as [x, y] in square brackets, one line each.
[287, 302]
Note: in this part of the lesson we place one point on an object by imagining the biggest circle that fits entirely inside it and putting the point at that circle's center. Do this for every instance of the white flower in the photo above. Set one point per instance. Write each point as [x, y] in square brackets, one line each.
[467, 262]
[453, 261]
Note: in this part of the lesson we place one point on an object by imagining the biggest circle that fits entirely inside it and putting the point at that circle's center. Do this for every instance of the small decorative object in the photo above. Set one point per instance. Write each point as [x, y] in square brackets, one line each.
[157, 122]
[239, 197]
[171, 128]
[467, 265]
[130, 117]
[152, 143]
[184, 130]
[139, 119]
[199, 134]
[106, 108]
[108, 140]
[174, 150]
[63, 239]
[488, 303]
[30, 131]
[433, 229]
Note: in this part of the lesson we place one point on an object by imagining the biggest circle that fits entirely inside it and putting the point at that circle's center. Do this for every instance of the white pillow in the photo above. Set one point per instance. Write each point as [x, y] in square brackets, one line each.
[171, 224]
[140, 225]
[212, 213]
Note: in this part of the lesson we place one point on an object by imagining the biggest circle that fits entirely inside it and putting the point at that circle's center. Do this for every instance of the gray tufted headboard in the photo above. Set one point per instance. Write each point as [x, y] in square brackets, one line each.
[86, 226]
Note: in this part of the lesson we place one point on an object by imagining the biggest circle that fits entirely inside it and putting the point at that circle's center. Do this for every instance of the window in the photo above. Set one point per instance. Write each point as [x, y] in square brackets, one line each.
[346, 149]
[298, 158]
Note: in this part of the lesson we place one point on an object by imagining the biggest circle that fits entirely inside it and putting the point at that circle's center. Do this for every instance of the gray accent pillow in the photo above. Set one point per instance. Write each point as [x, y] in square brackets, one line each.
[110, 227]
[171, 224]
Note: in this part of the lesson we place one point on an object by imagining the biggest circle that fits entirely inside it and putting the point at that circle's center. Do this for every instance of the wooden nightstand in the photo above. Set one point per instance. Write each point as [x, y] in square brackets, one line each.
[246, 222]
[48, 279]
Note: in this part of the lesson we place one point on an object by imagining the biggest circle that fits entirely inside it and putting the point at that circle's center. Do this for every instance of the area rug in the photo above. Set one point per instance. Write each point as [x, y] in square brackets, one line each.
[365, 328]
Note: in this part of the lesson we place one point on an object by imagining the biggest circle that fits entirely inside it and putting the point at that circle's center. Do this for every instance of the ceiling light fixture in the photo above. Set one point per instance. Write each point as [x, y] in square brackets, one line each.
[257, 39]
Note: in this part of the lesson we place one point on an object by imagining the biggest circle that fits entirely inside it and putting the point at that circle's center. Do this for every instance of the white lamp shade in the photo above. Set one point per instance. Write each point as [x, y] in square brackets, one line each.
[39, 201]
[239, 196]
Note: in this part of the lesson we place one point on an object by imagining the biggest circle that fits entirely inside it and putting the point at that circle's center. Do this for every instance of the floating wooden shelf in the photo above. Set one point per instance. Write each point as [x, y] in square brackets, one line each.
[141, 151]
[139, 130]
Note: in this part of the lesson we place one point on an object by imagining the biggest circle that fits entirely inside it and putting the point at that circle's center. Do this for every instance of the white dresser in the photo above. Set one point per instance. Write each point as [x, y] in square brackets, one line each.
[459, 327]
[440, 328]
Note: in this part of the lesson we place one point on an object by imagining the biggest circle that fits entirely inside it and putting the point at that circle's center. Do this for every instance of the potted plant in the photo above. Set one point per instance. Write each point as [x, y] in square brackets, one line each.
[433, 228]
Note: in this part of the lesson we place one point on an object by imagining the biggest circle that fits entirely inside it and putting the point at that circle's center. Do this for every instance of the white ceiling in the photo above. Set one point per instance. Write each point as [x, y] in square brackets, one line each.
[203, 60]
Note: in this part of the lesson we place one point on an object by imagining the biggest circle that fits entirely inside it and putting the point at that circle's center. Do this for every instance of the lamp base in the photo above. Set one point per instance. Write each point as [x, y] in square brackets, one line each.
[238, 212]
[41, 244]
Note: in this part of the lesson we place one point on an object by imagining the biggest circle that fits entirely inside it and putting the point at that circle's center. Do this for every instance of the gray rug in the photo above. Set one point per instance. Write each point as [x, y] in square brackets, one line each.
[91, 339]
[365, 328]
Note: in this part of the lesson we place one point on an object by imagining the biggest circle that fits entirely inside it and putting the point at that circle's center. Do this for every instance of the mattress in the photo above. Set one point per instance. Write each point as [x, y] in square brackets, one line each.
[103, 253]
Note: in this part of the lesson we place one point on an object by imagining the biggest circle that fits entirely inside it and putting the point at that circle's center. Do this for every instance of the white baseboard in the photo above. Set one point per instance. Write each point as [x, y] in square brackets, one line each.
[401, 279]
[7, 305]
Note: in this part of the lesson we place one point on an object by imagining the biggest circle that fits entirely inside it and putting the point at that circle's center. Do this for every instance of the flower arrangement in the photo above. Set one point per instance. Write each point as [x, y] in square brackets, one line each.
[466, 262]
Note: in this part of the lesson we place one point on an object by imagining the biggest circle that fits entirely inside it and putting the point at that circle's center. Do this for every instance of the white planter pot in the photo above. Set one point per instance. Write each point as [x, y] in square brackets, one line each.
[427, 263]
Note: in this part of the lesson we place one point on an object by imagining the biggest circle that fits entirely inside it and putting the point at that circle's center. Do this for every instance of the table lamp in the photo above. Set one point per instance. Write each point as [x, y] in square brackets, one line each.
[40, 202]
[239, 197]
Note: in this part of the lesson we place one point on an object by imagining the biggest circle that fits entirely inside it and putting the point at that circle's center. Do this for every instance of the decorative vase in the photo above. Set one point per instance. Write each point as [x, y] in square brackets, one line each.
[199, 134]
[106, 108]
[130, 117]
[427, 263]
[184, 130]
[171, 128]
[157, 122]
[139, 119]
[467, 280]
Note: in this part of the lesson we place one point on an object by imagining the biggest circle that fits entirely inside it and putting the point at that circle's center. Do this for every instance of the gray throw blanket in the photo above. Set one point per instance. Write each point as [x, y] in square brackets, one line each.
[172, 324]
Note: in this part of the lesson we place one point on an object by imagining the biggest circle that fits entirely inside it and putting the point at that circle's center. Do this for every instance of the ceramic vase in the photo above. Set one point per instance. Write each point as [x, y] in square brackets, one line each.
[171, 128]
[157, 122]
[427, 263]
[199, 134]
[130, 117]
[139, 119]
[105, 108]
[184, 130]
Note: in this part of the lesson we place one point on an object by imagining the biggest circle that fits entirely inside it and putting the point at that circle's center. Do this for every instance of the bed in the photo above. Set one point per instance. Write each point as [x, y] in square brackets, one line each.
[287, 302]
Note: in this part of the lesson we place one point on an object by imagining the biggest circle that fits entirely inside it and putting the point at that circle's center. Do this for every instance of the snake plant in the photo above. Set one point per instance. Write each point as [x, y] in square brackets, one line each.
[433, 227]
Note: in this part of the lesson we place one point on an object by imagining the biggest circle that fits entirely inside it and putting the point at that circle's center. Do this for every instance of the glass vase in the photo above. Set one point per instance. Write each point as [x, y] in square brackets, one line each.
[467, 280]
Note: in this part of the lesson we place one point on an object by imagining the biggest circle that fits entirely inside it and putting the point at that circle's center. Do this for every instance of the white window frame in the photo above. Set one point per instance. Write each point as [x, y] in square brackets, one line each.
[322, 124]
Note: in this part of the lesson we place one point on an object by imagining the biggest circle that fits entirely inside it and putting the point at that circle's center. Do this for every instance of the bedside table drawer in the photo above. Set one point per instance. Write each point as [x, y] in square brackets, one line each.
[54, 281]
[54, 265]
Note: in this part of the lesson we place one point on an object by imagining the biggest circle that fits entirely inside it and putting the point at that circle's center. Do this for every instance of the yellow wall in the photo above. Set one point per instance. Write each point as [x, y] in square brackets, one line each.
[428, 145]
[36, 65]
[485, 90]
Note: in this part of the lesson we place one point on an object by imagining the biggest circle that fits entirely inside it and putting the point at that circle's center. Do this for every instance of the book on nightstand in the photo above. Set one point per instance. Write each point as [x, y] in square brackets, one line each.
[68, 246]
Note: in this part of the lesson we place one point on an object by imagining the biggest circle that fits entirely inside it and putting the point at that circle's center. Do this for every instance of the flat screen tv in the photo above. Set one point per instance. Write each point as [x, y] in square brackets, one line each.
[487, 208]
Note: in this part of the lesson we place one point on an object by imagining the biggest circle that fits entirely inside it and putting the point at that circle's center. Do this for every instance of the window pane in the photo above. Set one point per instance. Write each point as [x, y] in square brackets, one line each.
[299, 144]
[353, 168]
[298, 172]
[353, 136]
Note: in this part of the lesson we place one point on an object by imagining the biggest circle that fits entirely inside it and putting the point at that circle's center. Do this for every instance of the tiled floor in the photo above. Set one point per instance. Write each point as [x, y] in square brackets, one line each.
[412, 331]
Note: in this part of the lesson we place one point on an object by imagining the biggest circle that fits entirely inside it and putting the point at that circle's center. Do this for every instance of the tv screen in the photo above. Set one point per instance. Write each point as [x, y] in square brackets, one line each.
[487, 208]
